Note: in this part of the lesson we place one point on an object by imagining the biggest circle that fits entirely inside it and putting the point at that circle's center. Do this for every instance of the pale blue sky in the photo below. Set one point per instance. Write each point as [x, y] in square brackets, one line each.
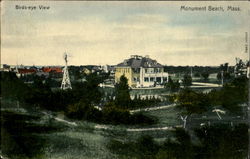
[108, 32]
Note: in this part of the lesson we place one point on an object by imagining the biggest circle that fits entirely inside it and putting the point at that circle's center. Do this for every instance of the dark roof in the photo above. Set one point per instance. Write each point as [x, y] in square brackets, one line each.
[139, 61]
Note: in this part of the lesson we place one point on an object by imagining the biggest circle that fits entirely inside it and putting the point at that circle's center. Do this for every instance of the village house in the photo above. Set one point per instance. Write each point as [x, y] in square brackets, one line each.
[24, 72]
[54, 72]
[5, 68]
[141, 72]
[242, 68]
[86, 71]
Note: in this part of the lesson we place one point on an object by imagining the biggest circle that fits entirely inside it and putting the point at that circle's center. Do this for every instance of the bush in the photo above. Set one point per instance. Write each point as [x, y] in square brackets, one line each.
[114, 115]
[223, 142]
[137, 102]
[218, 141]
[22, 136]
[139, 118]
[111, 114]
[83, 110]
[146, 145]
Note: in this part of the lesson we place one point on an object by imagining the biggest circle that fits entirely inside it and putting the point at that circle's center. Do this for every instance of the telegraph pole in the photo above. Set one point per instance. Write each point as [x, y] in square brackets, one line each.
[222, 78]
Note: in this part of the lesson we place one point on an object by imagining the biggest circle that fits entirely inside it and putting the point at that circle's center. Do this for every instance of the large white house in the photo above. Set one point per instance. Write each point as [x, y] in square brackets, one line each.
[141, 72]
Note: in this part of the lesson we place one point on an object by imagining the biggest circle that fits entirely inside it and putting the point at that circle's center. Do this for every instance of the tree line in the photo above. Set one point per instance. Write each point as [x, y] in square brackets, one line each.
[76, 103]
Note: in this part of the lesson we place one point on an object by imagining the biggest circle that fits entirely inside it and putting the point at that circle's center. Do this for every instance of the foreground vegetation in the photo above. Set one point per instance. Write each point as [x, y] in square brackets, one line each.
[211, 142]
[22, 135]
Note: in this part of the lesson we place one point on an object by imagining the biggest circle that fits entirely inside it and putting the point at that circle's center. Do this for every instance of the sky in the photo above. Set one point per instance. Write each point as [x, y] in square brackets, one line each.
[102, 33]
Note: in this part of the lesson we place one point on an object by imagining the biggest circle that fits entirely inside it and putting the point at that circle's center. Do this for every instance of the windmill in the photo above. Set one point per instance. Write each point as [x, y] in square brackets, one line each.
[66, 84]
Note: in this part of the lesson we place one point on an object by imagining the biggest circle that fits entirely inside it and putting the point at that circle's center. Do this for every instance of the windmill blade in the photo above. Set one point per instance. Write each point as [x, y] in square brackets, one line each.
[70, 55]
[64, 55]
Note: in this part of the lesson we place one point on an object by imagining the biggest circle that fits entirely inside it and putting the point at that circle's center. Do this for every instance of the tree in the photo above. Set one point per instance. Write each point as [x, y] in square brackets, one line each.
[226, 75]
[75, 72]
[205, 75]
[221, 141]
[187, 80]
[191, 102]
[196, 74]
[12, 87]
[122, 97]
[93, 92]
[172, 86]
[231, 95]
[224, 67]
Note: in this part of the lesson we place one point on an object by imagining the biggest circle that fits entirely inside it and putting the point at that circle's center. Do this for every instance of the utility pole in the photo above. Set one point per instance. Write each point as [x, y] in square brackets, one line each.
[222, 78]
[191, 71]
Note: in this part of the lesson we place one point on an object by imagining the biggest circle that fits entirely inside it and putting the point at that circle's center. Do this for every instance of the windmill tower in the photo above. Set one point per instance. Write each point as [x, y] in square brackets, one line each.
[66, 80]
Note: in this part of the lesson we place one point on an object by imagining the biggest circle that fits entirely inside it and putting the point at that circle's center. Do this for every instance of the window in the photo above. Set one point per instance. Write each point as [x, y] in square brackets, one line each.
[151, 70]
[158, 79]
[145, 79]
[152, 79]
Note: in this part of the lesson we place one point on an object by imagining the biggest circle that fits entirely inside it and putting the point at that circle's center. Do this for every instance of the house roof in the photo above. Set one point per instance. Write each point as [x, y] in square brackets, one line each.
[138, 61]
[24, 71]
[52, 69]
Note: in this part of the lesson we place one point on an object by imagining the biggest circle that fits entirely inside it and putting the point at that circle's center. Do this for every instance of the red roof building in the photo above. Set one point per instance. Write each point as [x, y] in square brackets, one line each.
[26, 71]
[52, 69]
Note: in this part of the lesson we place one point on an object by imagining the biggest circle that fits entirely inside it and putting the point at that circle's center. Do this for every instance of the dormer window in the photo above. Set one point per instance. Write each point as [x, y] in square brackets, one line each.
[125, 62]
[149, 64]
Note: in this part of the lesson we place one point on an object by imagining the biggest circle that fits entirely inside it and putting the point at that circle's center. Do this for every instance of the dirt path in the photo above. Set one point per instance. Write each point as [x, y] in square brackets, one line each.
[153, 108]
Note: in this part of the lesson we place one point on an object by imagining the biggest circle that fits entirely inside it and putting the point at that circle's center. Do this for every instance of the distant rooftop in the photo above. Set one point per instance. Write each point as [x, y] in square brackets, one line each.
[136, 61]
